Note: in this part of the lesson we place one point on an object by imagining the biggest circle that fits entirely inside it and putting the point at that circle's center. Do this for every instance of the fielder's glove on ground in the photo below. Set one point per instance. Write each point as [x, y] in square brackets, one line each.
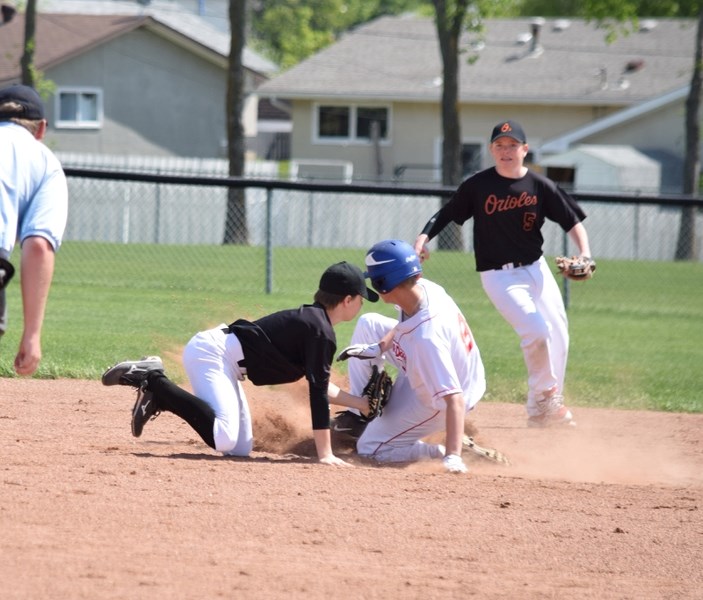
[576, 268]
[377, 391]
[491, 454]
[363, 351]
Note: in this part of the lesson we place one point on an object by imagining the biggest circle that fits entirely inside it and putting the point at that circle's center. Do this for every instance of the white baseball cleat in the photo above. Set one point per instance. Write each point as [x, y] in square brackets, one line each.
[553, 413]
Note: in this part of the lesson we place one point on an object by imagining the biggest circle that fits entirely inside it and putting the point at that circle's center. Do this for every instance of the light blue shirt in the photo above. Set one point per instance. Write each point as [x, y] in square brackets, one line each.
[33, 189]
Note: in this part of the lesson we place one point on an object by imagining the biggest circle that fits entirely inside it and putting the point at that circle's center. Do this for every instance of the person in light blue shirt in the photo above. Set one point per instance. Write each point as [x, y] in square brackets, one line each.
[33, 213]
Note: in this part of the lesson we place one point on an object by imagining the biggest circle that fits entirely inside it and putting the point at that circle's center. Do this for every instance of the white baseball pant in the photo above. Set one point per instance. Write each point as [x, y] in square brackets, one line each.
[210, 360]
[396, 435]
[530, 300]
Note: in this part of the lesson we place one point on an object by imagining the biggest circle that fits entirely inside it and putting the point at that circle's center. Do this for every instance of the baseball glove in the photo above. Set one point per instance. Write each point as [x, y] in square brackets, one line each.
[576, 268]
[377, 391]
[491, 454]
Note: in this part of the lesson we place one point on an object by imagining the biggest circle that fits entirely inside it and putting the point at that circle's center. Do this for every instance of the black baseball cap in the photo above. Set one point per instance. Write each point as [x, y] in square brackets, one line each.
[346, 279]
[511, 129]
[32, 107]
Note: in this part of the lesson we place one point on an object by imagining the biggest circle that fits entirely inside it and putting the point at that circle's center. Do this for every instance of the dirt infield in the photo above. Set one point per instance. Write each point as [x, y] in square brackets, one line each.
[613, 509]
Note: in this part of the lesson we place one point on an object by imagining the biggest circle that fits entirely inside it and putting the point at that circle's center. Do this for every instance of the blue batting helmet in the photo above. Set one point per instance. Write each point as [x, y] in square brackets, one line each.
[389, 263]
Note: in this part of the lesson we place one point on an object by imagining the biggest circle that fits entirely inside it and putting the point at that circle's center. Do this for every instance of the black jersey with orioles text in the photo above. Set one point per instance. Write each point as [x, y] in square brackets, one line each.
[508, 215]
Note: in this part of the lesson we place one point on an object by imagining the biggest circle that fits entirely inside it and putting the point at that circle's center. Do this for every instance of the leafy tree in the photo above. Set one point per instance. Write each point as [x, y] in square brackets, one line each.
[291, 30]
[609, 9]
[27, 60]
[685, 246]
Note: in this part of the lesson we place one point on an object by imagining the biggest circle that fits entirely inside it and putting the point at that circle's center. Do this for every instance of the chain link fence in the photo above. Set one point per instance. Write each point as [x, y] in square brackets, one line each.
[188, 214]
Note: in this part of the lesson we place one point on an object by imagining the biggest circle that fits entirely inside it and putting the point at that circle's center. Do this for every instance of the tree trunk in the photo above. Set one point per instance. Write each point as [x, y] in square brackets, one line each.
[236, 230]
[685, 246]
[449, 19]
[27, 60]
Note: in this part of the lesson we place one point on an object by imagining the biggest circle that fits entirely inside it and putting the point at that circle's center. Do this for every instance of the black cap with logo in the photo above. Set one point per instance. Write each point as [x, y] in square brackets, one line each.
[511, 129]
[346, 279]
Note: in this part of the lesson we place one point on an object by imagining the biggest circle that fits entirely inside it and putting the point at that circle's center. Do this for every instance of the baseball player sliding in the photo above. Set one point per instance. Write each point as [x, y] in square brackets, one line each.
[440, 373]
[279, 348]
[509, 204]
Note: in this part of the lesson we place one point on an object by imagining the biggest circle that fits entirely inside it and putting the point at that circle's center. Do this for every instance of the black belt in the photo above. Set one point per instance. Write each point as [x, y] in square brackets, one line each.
[512, 265]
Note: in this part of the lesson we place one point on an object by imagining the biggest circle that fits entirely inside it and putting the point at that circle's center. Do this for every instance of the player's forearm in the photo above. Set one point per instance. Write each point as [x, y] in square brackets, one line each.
[323, 443]
[37, 273]
[341, 398]
[455, 423]
[579, 236]
[421, 246]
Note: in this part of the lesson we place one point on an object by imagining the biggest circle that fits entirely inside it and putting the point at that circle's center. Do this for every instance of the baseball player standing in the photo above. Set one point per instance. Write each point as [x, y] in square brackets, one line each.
[440, 372]
[279, 348]
[509, 205]
[33, 209]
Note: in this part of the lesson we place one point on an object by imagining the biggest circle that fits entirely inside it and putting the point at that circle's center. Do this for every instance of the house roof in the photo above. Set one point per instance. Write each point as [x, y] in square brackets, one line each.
[398, 58]
[207, 24]
[61, 36]
[615, 155]
[564, 142]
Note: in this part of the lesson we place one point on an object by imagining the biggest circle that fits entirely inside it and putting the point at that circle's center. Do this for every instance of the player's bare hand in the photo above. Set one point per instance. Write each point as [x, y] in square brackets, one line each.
[335, 461]
[28, 356]
[421, 249]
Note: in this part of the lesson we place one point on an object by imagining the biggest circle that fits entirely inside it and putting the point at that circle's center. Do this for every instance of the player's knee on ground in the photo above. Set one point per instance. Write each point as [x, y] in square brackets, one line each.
[394, 453]
[227, 440]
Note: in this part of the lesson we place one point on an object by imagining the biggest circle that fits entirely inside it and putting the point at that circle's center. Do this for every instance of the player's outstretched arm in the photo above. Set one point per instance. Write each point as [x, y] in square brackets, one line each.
[323, 445]
[37, 273]
[341, 398]
[454, 433]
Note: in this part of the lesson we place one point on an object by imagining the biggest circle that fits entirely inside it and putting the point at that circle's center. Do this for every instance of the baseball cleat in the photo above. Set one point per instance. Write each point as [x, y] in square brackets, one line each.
[132, 372]
[469, 444]
[350, 423]
[144, 410]
[553, 413]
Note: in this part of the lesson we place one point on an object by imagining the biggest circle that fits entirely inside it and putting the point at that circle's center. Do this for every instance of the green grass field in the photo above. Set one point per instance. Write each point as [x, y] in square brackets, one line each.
[636, 328]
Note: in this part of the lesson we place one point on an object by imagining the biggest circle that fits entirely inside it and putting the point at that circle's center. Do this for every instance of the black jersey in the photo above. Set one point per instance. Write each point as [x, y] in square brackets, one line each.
[290, 344]
[508, 215]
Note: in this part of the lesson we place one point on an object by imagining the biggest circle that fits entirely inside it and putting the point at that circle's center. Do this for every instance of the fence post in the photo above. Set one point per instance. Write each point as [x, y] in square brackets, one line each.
[566, 289]
[157, 212]
[269, 240]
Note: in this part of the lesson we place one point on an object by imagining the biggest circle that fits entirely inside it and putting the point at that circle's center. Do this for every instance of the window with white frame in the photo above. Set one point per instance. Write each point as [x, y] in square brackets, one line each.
[79, 107]
[337, 123]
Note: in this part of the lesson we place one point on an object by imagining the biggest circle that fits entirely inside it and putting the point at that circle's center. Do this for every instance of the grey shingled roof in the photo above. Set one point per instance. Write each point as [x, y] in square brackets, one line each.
[398, 58]
[172, 14]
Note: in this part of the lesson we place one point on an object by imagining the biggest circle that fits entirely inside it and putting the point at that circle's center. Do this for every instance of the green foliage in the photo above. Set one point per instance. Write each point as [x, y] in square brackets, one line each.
[635, 327]
[609, 10]
[292, 30]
